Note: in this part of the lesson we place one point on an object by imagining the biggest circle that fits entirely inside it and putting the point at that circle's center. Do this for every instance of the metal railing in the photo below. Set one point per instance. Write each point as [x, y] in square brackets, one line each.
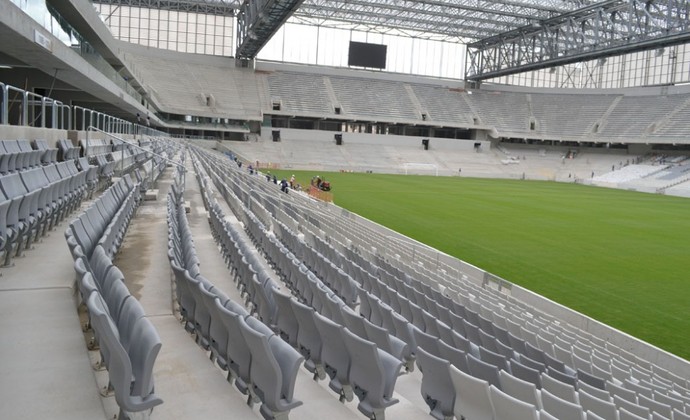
[23, 108]
[86, 149]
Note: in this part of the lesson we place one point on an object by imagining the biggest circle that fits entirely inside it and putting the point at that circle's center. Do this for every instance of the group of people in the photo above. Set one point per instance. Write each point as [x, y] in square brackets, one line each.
[285, 185]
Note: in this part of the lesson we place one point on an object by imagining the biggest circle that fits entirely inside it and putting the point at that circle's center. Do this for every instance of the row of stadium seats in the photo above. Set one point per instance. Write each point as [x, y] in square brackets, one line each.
[262, 365]
[127, 340]
[537, 339]
[32, 201]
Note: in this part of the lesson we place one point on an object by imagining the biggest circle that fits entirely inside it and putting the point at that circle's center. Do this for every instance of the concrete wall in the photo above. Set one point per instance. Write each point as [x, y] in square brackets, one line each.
[374, 139]
[14, 132]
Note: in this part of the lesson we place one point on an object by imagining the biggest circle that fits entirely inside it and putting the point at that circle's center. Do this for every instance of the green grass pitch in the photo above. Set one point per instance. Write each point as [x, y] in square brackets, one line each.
[620, 257]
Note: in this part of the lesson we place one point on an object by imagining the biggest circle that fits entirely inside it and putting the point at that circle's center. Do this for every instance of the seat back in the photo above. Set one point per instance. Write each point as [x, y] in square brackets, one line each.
[506, 407]
[429, 342]
[354, 322]
[457, 358]
[472, 397]
[145, 345]
[560, 408]
[604, 409]
[335, 357]
[285, 321]
[238, 355]
[558, 388]
[308, 337]
[483, 370]
[437, 386]
[373, 374]
[517, 388]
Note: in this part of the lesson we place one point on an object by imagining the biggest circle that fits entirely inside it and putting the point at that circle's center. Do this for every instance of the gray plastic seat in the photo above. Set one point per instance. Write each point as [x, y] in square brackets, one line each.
[621, 392]
[373, 374]
[604, 409]
[390, 344]
[472, 396]
[565, 378]
[602, 394]
[506, 407]
[115, 298]
[335, 356]
[237, 354]
[655, 406]
[144, 347]
[517, 388]
[631, 407]
[681, 415]
[354, 322]
[456, 357]
[558, 388]
[525, 373]
[273, 372]
[130, 314]
[429, 342]
[493, 358]
[483, 370]
[309, 339]
[130, 397]
[437, 386]
[560, 408]
[217, 333]
[285, 322]
[590, 379]
[624, 414]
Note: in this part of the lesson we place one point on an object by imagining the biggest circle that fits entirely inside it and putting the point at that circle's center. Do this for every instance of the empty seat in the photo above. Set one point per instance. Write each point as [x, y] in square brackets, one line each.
[602, 408]
[437, 386]
[472, 396]
[602, 394]
[506, 407]
[558, 388]
[373, 374]
[624, 414]
[131, 396]
[286, 322]
[655, 406]
[483, 370]
[560, 408]
[308, 339]
[457, 358]
[335, 356]
[517, 388]
[591, 379]
[237, 354]
[389, 343]
[273, 372]
[631, 407]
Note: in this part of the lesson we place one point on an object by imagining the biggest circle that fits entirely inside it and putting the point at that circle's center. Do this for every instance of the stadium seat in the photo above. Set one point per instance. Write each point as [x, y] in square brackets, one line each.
[373, 374]
[472, 396]
[506, 407]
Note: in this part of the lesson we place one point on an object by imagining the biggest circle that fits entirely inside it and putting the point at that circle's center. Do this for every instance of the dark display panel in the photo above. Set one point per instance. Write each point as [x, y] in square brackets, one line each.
[362, 54]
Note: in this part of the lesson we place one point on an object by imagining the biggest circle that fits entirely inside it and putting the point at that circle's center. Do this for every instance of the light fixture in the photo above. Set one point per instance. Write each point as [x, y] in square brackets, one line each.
[5, 66]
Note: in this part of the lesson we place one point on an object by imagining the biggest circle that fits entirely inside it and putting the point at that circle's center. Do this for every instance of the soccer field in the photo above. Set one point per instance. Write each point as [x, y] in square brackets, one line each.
[620, 257]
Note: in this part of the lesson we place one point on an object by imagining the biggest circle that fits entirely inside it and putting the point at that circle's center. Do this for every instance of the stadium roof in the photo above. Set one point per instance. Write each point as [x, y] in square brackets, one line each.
[460, 20]
[453, 19]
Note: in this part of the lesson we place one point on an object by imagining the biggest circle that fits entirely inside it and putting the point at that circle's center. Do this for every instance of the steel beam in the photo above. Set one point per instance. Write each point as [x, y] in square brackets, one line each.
[209, 7]
[605, 29]
[258, 21]
[453, 19]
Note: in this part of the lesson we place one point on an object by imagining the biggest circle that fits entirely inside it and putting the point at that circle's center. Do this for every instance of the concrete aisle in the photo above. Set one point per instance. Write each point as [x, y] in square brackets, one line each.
[45, 370]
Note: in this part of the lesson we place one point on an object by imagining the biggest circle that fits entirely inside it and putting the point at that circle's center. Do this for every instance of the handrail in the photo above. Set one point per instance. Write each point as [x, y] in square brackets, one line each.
[86, 148]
